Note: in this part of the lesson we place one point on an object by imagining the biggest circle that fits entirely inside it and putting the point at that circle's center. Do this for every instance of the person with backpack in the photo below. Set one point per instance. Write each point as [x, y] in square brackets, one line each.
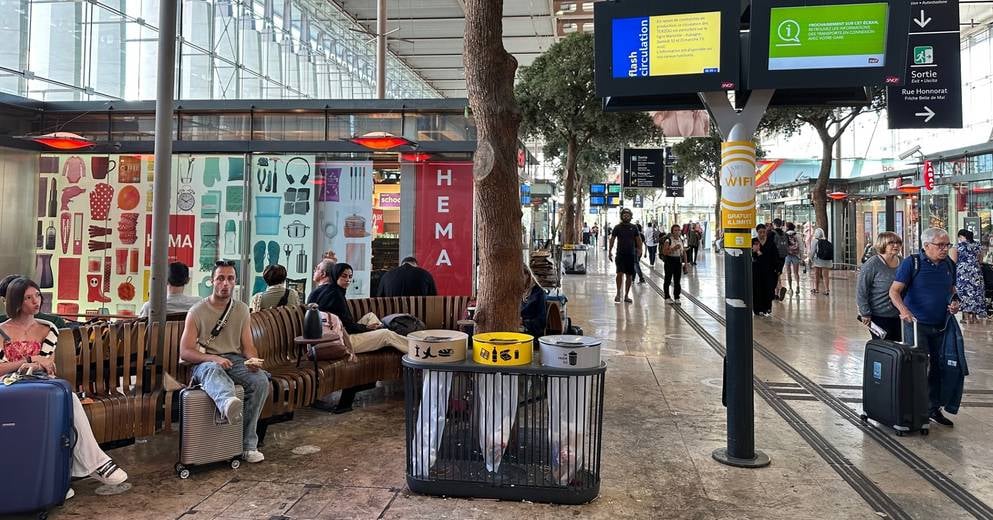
[779, 238]
[822, 261]
[793, 253]
[693, 239]
[652, 236]
[924, 291]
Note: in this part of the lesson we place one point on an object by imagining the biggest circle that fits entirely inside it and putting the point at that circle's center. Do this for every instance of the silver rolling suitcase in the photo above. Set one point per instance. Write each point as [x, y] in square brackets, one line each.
[204, 436]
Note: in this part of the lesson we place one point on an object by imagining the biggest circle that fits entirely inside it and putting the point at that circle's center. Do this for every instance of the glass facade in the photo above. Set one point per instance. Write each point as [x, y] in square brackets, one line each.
[66, 50]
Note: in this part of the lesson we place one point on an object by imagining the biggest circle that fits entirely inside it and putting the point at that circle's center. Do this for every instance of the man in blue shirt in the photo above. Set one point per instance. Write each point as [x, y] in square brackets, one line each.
[924, 290]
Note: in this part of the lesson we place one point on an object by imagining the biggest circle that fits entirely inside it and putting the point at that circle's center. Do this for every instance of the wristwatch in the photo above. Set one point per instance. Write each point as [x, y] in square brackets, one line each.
[29, 359]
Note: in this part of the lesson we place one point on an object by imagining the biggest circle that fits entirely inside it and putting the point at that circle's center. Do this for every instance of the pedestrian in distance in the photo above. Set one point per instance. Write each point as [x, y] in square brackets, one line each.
[765, 258]
[969, 276]
[652, 235]
[778, 235]
[694, 237]
[794, 253]
[629, 250]
[675, 262]
[872, 290]
[822, 261]
[637, 262]
[924, 291]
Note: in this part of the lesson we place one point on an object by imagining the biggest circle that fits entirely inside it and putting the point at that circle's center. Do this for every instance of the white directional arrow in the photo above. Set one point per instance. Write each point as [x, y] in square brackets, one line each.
[927, 114]
[922, 21]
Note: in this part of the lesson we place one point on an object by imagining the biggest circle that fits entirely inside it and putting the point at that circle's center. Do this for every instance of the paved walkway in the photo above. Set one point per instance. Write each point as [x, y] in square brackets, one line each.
[663, 417]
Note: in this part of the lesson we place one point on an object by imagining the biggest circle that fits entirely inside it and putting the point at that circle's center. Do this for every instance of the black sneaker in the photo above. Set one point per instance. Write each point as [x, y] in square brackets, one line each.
[939, 418]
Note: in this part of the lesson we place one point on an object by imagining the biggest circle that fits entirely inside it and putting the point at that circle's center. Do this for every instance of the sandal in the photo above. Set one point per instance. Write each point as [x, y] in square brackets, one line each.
[628, 300]
[813, 291]
[617, 299]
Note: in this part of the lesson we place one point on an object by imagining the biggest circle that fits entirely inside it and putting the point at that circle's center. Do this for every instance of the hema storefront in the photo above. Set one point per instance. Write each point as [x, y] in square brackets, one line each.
[257, 182]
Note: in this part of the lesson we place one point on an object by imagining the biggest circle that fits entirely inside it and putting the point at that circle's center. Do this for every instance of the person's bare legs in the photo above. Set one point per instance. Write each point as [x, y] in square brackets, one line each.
[816, 271]
[628, 281]
[619, 280]
[827, 281]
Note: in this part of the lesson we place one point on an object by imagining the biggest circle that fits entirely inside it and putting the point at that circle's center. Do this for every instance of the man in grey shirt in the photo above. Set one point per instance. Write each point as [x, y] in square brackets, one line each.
[176, 301]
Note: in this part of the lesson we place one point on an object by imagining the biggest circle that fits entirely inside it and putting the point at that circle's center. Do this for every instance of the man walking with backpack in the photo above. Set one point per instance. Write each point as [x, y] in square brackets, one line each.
[822, 261]
[924, 291]
[793, 254]
[782, 251]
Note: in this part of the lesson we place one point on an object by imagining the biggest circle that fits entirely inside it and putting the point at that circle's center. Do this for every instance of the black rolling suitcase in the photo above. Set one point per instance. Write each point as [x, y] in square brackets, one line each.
[894, 386]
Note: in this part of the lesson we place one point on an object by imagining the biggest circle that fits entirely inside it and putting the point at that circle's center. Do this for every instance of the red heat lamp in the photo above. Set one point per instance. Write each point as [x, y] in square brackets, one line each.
[381, 141]
[837, 195]
[63, 141]
[909, 188]
[416, 157]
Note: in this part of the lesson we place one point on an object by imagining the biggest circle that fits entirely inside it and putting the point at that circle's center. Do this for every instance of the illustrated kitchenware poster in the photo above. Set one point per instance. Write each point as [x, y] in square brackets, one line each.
[345, 219]
[88, 256]
[283, 188]
[209, 199]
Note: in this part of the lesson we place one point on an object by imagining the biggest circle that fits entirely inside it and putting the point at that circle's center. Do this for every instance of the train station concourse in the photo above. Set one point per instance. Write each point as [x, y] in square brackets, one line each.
[496, 259]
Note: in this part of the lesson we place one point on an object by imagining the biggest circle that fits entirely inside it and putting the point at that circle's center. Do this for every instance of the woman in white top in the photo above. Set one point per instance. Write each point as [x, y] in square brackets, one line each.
[822, 267]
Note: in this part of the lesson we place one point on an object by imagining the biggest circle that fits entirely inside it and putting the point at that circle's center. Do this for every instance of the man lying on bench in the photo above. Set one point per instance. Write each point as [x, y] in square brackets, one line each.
[218, 339]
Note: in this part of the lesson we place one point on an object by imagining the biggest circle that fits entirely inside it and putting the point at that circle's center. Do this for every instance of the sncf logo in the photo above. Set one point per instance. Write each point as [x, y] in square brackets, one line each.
[727, 85]
[892, 80]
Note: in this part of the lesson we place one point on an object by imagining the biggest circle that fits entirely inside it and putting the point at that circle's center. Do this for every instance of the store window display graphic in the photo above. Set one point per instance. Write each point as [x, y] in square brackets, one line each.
[345, 218]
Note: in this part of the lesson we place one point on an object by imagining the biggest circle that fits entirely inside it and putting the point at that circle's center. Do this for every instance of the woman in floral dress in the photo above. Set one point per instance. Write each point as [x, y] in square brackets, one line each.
[969, 277]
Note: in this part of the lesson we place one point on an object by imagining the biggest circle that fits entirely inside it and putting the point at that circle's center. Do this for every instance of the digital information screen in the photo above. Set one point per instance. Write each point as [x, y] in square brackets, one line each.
[598, 200]
[613, 188]
[598, 189]
[667, 45]
[828, 36]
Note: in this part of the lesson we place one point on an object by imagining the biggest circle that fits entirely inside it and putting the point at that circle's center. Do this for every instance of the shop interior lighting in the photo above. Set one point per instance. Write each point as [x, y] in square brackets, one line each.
[381, 141]
[62, 141]
[909, 188]
[837, 195]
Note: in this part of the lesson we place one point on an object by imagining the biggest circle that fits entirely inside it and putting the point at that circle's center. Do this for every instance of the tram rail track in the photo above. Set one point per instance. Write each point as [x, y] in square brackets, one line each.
[941, 482]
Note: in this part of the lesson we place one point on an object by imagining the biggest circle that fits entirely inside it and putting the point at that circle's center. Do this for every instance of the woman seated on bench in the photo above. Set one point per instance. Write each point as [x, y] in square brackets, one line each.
[28, 344]
[368, 333]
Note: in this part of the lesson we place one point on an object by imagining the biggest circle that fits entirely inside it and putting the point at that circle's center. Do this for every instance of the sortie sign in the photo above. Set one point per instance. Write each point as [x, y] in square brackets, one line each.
[932, 94]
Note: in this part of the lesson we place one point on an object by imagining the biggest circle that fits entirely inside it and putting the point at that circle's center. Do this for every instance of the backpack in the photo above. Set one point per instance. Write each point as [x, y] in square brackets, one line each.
[949, 264]
[782, 242]
[792, 245]
[824, 250]
[403, 324]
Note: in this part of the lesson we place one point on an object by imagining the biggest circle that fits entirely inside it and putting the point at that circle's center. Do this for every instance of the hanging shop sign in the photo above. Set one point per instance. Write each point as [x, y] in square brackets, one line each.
[928, 175]
[737, 192]
[643, 168]
[652, 48]
[932, 94]
[443, 225]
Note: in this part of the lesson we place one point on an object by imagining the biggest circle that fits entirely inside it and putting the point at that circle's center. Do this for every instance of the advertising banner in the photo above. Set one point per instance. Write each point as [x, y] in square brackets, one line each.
[345, 219]
[443, 225]
[738, 192]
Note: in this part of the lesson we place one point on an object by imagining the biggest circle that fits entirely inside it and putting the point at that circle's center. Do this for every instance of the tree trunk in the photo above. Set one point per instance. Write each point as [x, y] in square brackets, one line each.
[490, 71]
[580, 207]
[569, 207]
[820, 187]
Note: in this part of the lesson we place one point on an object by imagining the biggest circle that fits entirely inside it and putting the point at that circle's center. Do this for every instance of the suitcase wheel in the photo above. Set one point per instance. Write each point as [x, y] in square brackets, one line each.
[864, 417]
[899, 433]
[925, 432]
[43, 515]
[182, 471]
[235, 463]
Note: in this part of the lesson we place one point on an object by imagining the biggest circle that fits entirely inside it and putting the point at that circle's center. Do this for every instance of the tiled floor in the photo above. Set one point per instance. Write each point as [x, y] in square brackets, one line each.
[663, 418]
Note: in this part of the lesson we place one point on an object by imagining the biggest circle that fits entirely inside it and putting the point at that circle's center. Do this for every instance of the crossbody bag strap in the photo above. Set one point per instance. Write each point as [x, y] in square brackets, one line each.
[218, 327]
[285, 298]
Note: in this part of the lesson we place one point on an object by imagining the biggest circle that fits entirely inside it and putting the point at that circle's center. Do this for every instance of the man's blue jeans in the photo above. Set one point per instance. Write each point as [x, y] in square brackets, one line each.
[219, 385]
[931, 338]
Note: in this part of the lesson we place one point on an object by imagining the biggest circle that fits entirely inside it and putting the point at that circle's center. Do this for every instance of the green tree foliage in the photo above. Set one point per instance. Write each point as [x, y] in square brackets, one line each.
[830, 124]
[559, 105]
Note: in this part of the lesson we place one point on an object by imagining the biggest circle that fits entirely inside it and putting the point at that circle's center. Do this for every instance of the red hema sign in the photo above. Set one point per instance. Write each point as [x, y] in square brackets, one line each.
[928, 175]
[182, 233]
[443, 225]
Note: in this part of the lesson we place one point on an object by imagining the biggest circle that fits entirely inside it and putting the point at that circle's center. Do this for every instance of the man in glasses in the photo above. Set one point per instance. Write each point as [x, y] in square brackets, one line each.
[924, 291]
[218, 339]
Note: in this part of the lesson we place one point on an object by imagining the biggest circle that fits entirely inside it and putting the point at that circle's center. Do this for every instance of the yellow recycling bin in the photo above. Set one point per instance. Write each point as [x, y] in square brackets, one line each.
[502, 348]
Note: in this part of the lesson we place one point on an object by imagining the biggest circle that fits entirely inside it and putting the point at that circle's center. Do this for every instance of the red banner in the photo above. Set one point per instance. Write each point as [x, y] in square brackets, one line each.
[182, 232]
[443, 238]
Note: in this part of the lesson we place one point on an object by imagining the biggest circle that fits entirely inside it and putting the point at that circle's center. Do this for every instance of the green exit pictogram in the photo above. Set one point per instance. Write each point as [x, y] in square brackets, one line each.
[924, 55]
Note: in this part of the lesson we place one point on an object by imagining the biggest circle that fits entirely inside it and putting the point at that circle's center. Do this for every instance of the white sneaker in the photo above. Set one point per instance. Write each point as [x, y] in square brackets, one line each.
[253, 456]
[677, 302]
[232, 410]
[70, 493]
[110, 474]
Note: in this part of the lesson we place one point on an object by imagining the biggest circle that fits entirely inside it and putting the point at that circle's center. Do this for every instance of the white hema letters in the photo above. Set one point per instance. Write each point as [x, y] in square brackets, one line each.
[444, 178]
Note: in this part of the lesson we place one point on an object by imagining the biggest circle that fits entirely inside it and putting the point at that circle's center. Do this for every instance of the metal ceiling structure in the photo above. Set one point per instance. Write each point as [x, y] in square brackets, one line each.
[427, 34]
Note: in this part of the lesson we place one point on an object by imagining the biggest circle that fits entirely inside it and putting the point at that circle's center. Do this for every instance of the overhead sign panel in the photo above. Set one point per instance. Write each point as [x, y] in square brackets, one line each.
[827, 43]
[932, 94]
[655, 47]
[643, 168]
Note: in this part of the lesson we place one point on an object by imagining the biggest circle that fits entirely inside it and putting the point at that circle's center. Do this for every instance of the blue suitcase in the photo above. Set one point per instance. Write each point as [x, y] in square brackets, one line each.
[37, 436]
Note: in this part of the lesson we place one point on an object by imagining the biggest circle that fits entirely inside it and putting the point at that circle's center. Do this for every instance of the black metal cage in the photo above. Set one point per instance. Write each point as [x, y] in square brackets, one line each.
[510, 433]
